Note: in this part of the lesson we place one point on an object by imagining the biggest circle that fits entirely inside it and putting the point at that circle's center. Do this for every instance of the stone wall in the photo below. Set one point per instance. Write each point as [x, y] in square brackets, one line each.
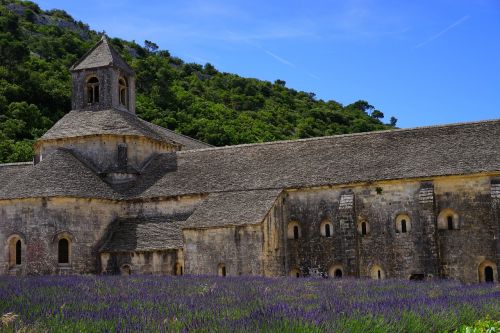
[274, 241]
[102, 150]
[422, 251]
[312, 253]
[463, 249]
[238, 248]
[85, 222]
[269, 248]
[164, 262]
[41, 222]
[108, 90]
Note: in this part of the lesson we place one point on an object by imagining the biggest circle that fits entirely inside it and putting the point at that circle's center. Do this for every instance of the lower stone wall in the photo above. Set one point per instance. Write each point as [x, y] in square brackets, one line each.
[236, 248]
[41, 223]
[422, 251]
[167, 262]
[472, 241]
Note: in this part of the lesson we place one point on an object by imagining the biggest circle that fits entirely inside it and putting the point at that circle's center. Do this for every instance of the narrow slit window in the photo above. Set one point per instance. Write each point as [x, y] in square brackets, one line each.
[295, 232]
[450, 222]
[403, 226]
[363, 228]
[222, 270]
[327, 230]
[18, 252]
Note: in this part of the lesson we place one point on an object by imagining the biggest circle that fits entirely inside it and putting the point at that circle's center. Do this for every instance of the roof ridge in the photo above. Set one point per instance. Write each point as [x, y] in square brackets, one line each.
[86, 54]
[321, 138]
[174, 132]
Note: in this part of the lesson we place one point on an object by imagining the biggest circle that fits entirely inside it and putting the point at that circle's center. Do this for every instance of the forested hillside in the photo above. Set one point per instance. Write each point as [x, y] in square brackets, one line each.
[37, 47]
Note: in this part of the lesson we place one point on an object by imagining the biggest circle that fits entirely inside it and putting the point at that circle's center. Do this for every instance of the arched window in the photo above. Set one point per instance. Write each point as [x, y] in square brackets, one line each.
[294, 272]
[403, 223]
[326, 228]
[487, 271]
[221, 271]
[336, 271]
[63, 251]
[92, 90]
[377, 273]
[363, 227]
[448, 220]
[178, 269]
[15, 246]
[123, 91]
[293, 231]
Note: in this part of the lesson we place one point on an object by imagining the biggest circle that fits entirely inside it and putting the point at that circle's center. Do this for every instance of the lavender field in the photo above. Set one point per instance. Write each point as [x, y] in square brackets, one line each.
[243, 304]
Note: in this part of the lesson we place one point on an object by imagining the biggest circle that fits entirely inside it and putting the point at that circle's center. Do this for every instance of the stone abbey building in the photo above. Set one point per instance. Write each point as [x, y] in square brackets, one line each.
[109, 193]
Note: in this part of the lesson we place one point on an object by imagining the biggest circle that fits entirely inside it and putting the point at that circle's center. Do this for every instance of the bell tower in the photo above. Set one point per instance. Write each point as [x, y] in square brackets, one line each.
[102, 80]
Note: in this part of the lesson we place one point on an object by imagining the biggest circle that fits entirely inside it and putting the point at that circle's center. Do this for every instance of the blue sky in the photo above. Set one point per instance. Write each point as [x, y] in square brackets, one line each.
[424, 62]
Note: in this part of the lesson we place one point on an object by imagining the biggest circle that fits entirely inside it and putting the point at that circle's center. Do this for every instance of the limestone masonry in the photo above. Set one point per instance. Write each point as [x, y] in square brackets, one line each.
[109, 193]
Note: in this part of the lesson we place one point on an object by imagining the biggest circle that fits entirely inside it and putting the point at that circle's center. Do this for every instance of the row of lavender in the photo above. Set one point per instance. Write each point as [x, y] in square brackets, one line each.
[212, 304]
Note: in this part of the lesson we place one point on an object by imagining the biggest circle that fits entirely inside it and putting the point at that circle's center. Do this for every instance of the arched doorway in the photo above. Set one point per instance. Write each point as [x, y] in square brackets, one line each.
[488, 274]
[294, 272]
[487, 271]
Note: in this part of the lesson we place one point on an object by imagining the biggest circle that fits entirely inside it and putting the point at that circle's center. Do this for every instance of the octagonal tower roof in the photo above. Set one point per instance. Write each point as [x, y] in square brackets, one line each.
[101, 55]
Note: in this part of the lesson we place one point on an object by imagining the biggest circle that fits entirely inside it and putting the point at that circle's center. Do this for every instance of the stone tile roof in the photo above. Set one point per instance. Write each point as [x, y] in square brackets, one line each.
[145, 234]
[101, 55]
[111, 121]
[59, 174]
[232, 208]
[408, 153]
[150, 174]
[8, 171]
[187, 142]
